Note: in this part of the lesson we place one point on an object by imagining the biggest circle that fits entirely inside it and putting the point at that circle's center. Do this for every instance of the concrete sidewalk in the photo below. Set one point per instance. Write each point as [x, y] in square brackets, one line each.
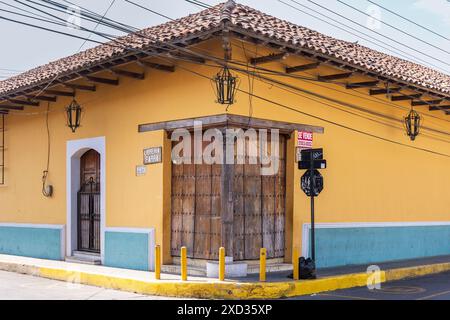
[277, 286]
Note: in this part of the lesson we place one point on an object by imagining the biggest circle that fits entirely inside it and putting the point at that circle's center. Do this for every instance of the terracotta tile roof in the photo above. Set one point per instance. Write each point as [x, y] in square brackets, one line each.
[247, 19]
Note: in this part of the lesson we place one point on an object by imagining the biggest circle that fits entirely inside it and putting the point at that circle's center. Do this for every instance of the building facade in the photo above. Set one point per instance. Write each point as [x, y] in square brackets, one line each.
[117, 193]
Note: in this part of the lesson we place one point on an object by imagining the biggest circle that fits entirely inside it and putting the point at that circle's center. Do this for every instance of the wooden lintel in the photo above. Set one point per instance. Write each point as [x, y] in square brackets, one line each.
[406, 97]
[80, 87]
[230, 120]
[425, 103]
[440, 108]
[366, 84]
[111, 82]
[42, 98]
[60, 93]
[335, 76]
[24, 102]
[157, 66]
[269, 58]
[374, 92]
[303, 67]
[130, 74]
[10, 107]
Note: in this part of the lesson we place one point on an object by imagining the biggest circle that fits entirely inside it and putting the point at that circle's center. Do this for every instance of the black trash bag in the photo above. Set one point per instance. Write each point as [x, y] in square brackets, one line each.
[307, 268]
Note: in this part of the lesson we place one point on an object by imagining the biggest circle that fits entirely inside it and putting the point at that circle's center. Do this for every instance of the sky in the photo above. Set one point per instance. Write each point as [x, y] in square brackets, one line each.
[24, 47]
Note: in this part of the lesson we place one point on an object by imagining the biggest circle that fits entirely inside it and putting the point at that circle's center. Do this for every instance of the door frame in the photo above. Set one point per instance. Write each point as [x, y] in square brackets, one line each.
[74, 150]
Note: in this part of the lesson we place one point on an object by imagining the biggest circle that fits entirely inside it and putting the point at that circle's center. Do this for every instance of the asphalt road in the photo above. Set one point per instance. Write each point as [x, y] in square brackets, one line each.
[14, 286]
[433, 287]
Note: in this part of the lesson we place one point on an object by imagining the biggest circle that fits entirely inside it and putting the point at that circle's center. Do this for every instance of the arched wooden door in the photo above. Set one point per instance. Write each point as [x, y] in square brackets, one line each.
[89, 203]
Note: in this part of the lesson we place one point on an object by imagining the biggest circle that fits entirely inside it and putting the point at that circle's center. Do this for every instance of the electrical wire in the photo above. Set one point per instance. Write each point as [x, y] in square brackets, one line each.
[103, 35]
[47, 190]
[96, 26]
[390, 48]
[409, 20]
[393, 27]
[379, 33]
[349, 128]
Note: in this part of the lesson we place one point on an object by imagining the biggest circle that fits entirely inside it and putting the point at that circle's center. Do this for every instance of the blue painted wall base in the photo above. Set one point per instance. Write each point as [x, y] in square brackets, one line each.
[43, 243]
[127, 250]
[363, 245]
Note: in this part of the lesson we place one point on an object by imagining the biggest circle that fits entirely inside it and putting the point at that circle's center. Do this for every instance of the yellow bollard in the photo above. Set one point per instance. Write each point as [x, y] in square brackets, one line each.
[295, 264]
[221, 264]
[262, 264]
[157, 262]
[183, 264]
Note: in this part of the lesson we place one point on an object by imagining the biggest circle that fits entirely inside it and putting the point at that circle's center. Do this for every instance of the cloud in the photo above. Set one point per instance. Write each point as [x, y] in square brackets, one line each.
[440, 8]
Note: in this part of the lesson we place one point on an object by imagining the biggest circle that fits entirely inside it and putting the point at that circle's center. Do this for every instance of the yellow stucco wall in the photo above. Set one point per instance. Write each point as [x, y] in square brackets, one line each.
[367, 180]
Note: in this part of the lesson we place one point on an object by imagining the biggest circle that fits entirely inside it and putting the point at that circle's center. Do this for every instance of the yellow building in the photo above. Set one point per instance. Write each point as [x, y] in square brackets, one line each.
[115, 191]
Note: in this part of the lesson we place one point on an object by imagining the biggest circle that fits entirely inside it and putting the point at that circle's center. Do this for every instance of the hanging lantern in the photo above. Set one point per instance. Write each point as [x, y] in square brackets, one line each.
[73, 112]
[225, 85]
[412, 124]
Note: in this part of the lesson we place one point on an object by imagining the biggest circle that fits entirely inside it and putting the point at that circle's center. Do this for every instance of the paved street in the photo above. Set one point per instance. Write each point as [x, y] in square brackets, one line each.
[15, 286]
[433, 287]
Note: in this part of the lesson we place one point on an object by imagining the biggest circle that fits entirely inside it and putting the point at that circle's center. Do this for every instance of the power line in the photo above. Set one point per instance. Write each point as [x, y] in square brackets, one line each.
[390, 48]
[109, 37]
[346, 92]
[199, 4]
[96, 26]
[392, 26]
[149, 10]
[328, 121]
[344, 30]
[383, 35]
[409, 20]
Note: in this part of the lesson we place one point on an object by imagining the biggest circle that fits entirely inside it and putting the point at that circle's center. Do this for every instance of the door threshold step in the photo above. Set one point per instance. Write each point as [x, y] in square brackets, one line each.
[86, 254]
[85, 258]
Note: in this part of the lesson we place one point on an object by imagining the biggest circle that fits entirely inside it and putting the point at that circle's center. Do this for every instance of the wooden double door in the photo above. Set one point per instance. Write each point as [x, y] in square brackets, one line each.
[229, 205]
[89, 203]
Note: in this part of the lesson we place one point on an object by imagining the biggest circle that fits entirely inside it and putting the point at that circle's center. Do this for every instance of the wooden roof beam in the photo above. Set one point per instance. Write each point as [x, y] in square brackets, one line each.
[406, 97]
[24, 102]
[111, 82]
[375, 92]
[157, 66]
[440, 108]
[303, 67]
[81, 87]
[366, 84]
[10, 107]
[130, 74]
[60, 93]
[335, 76]
[425, 103]
[42, 98]
[269, 58]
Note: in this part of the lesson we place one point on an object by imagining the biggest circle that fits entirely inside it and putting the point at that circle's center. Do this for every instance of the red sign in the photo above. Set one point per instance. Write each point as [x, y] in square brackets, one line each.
[305, 140]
